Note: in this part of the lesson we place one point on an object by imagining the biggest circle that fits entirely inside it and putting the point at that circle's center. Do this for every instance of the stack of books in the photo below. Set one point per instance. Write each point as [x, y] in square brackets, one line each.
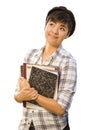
[41, 77]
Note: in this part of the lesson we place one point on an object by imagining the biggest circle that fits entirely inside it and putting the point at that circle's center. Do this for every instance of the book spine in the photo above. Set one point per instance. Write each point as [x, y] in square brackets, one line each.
[23, 74]
[24, 70]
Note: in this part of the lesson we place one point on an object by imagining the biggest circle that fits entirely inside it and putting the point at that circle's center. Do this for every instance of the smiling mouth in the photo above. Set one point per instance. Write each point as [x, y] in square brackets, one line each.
[55, 37]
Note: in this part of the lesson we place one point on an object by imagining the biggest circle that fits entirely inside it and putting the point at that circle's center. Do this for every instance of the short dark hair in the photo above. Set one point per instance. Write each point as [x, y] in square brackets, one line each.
[62, 14]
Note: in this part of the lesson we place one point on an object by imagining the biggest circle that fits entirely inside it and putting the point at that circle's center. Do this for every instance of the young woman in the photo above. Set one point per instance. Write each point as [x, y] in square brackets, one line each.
[60, 24]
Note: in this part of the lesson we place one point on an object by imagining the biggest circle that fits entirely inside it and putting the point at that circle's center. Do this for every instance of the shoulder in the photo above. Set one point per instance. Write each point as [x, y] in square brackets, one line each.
[67, 58]
[67, 55]
[68, 64]
[30, 54]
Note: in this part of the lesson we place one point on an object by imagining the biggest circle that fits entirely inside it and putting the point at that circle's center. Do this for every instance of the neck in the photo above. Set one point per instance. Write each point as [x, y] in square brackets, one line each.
[48, 51]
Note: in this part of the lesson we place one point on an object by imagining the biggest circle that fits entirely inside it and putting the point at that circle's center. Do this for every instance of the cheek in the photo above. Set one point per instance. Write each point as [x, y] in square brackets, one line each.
[46, 31]
[62, 36]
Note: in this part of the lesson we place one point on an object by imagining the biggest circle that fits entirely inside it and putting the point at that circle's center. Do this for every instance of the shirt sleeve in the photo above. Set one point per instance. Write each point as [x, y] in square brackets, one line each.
[30, 56]
[67, 85]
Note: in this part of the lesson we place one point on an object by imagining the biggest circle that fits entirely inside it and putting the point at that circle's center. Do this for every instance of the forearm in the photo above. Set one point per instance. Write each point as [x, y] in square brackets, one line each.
[26, 95]
[50, 104]
[18, 98]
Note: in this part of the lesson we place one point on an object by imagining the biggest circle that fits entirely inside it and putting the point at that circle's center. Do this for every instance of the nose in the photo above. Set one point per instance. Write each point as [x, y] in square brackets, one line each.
[55, 30]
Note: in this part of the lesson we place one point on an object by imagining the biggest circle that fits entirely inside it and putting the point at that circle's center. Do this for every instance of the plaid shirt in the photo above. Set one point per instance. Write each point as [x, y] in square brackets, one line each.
[45, 120]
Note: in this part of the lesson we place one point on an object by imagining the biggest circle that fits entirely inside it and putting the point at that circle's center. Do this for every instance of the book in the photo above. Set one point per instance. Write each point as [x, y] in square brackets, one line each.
[41, 77]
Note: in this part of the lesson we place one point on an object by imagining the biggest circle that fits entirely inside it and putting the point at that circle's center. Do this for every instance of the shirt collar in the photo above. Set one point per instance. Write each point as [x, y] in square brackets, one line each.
[40, 51]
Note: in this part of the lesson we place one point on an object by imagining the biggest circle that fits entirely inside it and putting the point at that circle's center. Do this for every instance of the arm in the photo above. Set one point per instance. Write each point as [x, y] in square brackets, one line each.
[50, 104]
[24, 92]
[65, 92]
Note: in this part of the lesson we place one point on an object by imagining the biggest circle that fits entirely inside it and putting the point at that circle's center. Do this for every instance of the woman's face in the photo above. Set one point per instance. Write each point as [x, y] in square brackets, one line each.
[55, 33]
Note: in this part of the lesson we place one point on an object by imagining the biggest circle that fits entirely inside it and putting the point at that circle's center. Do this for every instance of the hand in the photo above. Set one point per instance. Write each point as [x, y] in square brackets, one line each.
[23, 83]
[27, 94]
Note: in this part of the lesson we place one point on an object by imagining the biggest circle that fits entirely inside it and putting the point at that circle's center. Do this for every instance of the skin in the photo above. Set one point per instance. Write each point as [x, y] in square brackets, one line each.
[25, 93]
[55, 33]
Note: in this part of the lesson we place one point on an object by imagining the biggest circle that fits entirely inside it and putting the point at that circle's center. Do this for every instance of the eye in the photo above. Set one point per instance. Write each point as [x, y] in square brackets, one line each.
[62, 29]
[51, 23]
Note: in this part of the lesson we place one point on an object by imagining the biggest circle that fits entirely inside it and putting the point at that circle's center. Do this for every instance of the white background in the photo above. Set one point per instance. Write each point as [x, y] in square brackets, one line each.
[21, 28]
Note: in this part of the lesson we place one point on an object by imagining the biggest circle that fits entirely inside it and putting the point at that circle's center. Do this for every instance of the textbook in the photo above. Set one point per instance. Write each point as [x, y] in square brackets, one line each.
[41, 77]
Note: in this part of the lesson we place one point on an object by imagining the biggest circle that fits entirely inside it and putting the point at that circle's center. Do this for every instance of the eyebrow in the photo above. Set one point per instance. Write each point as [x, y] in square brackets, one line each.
[64, 25]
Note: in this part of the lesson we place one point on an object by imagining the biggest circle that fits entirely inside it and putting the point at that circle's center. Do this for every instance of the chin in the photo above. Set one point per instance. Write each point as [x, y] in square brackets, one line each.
[54, 44]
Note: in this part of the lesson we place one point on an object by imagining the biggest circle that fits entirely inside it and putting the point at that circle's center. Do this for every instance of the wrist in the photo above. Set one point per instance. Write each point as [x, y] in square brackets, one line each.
[36, 99]
[17, 97]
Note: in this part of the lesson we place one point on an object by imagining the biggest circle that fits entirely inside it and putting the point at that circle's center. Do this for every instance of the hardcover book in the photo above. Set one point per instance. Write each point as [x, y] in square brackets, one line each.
[41, 77]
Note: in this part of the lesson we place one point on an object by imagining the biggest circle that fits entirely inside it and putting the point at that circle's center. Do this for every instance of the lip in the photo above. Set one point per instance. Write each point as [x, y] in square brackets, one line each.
[53, 36]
